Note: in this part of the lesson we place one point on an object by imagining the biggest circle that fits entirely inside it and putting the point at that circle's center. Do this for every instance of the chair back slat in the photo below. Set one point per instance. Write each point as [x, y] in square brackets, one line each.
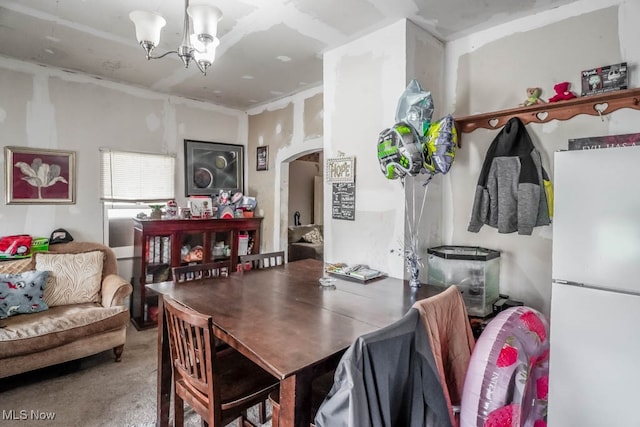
[192, 272]
[264, 260]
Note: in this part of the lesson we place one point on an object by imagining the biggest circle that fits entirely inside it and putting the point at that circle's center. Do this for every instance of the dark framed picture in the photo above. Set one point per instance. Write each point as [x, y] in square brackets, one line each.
[211, 167]
[262, 158]
[39, 176]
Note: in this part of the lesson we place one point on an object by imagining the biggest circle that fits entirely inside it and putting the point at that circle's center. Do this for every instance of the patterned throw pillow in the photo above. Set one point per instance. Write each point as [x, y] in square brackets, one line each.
[313, 236]
[22, 293]
[15, 266]
[74, 278]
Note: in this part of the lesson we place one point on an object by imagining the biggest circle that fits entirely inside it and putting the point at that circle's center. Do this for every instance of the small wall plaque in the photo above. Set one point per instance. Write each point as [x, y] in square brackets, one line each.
[341, 169]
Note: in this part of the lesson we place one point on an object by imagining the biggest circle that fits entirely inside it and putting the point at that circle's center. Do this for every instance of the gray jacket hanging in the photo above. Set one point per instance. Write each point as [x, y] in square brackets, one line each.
[387, 378]
[510, 193]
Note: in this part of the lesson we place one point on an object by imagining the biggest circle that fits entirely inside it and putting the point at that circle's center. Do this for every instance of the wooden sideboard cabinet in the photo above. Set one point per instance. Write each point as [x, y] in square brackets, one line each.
[160, 244]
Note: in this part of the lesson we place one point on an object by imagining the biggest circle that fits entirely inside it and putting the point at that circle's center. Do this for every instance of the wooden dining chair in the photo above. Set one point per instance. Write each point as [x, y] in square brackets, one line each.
[192, 272]
[189, 273]
[259, 261]
[219, 385]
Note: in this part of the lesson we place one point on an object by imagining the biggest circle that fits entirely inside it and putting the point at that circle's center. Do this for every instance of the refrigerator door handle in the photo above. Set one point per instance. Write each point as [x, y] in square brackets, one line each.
[567, 282]
[593, 286]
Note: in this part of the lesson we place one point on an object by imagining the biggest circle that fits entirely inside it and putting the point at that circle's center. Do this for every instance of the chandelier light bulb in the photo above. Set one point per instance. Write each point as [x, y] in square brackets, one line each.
[148, 26]
[205, 21]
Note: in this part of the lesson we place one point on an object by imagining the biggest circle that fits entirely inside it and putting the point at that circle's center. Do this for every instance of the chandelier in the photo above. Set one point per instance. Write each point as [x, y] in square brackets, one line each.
[199, 41]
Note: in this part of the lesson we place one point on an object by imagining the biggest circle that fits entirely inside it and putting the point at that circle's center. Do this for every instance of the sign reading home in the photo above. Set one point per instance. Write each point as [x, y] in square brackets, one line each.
[341, 169]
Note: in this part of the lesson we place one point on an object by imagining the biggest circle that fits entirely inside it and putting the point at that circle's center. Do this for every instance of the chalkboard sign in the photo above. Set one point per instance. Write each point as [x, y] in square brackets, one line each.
[343, 201]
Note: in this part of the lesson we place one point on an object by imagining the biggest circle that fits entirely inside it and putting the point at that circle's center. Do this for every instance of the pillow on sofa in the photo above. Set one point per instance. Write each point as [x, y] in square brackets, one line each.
[74, 278]
[22, 293]
[313, 236]
[15, 266]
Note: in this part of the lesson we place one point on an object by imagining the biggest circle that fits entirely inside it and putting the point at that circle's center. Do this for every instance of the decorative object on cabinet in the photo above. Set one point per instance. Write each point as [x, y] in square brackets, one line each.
[199, 205]
[156, 211]
[172, 209]
[533, 97]
[160, 245]
[185, 213]
[37, 176]
[604, 79]
[262, 158]
[595, 105]
[211, 167]
[562, 92]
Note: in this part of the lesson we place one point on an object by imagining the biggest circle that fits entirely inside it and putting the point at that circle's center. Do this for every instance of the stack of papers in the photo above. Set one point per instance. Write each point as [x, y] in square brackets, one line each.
[359, 272]
[365, 273]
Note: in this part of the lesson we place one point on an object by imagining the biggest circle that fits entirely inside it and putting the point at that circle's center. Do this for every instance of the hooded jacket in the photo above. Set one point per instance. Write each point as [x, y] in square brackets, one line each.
[510, 194]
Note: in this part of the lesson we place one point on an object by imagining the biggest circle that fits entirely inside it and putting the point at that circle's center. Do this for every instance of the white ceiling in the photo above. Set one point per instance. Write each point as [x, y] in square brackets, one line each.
[268, 48]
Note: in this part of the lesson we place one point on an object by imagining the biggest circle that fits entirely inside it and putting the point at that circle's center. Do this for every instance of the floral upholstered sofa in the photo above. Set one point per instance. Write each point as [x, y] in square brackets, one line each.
[61, 305]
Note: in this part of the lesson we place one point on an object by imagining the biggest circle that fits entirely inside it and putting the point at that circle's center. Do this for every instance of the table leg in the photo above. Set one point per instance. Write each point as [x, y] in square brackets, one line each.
[164, 370]
[295, 400]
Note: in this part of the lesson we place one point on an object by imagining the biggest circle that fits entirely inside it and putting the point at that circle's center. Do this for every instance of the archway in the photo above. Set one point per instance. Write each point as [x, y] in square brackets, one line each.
[281, 202]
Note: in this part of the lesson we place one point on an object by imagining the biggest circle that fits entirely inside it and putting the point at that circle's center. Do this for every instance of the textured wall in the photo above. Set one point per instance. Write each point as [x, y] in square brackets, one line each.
[48, 108]
[273, 129]
[289, 128]
[490, 71]
[363, 81]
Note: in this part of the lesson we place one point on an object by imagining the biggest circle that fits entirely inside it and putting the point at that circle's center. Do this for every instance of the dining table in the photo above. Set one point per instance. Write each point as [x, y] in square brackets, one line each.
[285, 321]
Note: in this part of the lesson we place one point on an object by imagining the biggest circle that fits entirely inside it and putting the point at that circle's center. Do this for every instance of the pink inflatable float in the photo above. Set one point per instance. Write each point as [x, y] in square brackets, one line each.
[508, 375]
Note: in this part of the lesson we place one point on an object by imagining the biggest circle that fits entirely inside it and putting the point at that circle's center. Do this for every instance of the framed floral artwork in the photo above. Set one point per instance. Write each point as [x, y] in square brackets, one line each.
[39, 176]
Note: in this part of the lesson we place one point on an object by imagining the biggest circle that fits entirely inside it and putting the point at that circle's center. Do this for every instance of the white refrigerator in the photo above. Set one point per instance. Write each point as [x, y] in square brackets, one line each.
[594, 365]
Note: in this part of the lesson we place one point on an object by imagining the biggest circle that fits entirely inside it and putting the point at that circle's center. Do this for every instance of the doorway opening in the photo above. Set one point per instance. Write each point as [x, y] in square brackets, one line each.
[305, 190]
[281, 206]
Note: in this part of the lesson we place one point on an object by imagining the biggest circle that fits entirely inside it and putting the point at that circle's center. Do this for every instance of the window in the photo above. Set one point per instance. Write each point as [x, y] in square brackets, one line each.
[137, 177]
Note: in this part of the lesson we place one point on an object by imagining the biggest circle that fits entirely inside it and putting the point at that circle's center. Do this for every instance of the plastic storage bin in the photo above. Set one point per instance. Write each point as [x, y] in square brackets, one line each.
[474, 270]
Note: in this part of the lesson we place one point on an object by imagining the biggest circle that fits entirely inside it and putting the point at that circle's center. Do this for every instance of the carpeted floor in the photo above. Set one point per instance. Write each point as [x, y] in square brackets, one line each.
[91, 392]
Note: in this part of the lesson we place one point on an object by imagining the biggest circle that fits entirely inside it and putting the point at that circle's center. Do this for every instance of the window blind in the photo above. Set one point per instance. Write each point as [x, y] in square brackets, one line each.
[137, 177]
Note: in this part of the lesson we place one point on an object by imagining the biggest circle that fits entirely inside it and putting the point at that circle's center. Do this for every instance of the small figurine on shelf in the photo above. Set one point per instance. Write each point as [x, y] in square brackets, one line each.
[225, 205]
[206, 210]
[562, 92]
[223, 198]
[533, 97]
[156, 211]
[172, 209]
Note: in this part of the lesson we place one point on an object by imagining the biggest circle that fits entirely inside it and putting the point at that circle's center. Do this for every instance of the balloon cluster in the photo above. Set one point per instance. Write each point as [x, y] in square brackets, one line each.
[414, 144]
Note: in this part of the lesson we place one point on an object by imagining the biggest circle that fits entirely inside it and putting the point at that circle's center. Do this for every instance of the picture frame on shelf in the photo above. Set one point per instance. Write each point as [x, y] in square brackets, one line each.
[25, 169]
[262, 158]
[212, 166]
[200, 207]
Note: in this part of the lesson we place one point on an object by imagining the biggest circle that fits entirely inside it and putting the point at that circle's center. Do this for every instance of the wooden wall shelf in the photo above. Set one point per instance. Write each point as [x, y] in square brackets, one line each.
[594, 105]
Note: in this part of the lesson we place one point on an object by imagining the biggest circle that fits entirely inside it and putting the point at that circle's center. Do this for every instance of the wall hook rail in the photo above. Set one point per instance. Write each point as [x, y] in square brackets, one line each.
[593, 105]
